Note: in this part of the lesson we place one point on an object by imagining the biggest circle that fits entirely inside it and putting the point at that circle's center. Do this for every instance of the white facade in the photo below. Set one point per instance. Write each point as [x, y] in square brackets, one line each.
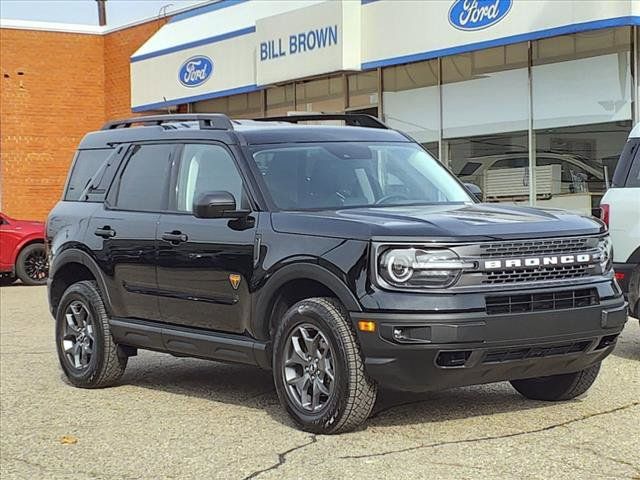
[370, 34]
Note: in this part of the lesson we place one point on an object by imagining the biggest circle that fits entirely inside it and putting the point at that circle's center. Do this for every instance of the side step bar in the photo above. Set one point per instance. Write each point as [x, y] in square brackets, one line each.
[190, 342]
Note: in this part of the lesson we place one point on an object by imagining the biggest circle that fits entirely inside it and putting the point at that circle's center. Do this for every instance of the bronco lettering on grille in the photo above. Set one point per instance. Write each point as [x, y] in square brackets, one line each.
[530, 262]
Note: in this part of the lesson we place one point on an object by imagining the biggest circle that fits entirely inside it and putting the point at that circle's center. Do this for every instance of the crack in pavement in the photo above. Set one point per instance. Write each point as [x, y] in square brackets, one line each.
[494, 437]
[282, 458]
[90, 474]
[610, 458]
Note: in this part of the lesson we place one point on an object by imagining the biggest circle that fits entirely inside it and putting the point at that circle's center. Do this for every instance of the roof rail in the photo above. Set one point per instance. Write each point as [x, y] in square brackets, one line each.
[206, 121]
[351, 119]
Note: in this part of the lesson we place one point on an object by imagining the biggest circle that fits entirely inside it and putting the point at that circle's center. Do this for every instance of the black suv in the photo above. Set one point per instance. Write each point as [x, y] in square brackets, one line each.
[343, 258]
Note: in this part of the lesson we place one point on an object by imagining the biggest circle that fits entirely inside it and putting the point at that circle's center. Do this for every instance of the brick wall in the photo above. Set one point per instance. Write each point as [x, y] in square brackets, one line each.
[118, 48]
[56, 87]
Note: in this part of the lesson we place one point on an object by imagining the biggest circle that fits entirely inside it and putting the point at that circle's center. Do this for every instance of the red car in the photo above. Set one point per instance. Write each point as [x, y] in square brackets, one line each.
[22, 252]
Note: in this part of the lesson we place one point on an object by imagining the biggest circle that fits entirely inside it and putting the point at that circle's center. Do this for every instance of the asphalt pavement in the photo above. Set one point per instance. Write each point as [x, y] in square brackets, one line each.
[184, 418]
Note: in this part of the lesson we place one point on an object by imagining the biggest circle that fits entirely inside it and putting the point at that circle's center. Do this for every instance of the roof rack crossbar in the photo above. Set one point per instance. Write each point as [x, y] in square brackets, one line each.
[206, 121]
[351, 119]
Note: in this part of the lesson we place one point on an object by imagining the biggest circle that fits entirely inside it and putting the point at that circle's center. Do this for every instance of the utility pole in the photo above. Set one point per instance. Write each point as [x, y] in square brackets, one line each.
[102, 12]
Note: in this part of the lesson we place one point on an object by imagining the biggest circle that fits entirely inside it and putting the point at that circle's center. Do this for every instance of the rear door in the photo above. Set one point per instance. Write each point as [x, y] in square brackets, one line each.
[122, 234]
[205, 266]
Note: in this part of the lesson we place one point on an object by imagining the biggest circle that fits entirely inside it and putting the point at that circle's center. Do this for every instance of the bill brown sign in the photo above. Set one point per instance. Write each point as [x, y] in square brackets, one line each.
[309, 41]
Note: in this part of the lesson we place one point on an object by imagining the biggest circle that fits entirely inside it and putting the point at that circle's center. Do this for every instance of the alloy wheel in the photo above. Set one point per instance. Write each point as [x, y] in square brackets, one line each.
[308, 368]
[36, 265]
[78, 335]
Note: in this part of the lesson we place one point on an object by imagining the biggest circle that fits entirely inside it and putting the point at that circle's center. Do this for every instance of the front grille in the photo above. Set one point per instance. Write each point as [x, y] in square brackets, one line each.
[538, 274]
[535, 247]
[522, 353]
[535, 302]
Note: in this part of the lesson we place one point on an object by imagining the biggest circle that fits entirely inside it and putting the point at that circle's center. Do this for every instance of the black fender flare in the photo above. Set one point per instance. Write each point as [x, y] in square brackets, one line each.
[74, 255]
[299, 271]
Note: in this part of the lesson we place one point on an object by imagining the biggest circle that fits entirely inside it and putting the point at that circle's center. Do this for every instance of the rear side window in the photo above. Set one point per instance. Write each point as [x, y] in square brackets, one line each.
[144, 181]
[628, 168]
[86, 164]
[633, 179]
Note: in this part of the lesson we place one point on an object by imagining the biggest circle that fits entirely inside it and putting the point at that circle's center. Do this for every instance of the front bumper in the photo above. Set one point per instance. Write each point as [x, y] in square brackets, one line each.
[456, 349]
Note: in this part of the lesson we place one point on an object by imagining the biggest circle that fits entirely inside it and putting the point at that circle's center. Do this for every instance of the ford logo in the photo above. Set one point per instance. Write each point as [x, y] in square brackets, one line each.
[195, 71]
[478, 14]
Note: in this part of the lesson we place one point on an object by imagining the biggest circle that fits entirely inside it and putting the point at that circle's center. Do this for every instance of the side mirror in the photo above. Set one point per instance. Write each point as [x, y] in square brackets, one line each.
[217, 205]
[475, 190]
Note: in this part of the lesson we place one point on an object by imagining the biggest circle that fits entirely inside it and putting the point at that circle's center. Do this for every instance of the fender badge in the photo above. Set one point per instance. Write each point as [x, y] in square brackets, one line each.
[234, 279]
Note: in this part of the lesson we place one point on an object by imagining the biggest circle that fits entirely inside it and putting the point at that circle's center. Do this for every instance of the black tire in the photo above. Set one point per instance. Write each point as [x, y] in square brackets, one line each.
[31, 265]
[105, 364]
[558, 387]
[634, 293]
[7, 280]
[352, 393]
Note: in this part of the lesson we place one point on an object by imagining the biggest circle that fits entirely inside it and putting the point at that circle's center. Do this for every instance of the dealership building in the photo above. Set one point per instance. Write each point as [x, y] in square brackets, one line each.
[495, 89]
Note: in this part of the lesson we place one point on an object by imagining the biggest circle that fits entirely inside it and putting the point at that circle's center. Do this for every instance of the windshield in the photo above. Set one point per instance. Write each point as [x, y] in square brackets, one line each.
[352, 174]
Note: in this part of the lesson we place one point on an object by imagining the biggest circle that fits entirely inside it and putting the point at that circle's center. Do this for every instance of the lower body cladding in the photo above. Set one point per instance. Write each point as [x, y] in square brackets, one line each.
[519, 335]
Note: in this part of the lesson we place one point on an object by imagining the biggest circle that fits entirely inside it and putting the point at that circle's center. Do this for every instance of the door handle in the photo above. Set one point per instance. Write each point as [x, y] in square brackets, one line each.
[105, 232]
[174, 237]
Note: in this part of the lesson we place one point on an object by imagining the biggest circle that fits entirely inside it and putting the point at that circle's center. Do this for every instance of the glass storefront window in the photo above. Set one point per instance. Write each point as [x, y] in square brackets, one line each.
[485, 92]
[363, 90]
[244, 105]
[280, 100]
[411, 101]
[322, 95]
[582, 108]
[485, 115]
[498, 164]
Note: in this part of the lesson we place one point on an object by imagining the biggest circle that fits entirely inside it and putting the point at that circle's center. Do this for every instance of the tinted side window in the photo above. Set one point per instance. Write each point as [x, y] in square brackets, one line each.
[623, 175]
[86, 164]
[633, 180]
[206, 168]
[144, 180]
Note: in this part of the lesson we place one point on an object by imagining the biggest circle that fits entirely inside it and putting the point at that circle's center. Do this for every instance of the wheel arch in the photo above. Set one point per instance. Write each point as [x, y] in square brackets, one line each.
[69, 267]
[25, 242]
[291, 284]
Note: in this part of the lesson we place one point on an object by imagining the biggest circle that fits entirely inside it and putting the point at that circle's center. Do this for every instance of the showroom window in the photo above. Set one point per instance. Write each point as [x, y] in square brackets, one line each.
[363, 92]
[281, 100]
[410, 100]
[322, 95]
[485, 114]
[582, 107]
[243, 105]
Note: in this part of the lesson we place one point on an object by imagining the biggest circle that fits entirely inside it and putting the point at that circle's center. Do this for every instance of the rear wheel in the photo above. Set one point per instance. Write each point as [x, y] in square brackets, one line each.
[318, 370]
[558, 387]
[87, 352]
[32, 267]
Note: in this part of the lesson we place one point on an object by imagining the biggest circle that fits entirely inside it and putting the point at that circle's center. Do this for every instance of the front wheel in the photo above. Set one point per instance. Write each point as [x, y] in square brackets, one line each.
[558, 387]
[318, 370]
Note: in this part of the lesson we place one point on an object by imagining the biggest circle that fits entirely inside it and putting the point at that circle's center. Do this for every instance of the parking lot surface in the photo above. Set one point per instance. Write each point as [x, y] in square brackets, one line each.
[185, 418]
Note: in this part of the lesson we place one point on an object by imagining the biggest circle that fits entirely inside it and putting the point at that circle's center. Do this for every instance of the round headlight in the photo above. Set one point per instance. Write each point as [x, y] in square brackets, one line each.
[414, 267]
[399, 267]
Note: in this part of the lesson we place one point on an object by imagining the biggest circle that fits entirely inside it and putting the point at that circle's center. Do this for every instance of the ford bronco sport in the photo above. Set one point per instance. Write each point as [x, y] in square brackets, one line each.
[343, 258]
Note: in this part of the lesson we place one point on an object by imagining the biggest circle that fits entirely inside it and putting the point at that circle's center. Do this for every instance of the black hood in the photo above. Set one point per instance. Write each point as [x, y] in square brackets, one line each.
[446, 222]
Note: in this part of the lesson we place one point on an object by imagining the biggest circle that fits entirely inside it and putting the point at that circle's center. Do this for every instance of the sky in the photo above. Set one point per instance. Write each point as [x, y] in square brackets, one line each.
[119, 12]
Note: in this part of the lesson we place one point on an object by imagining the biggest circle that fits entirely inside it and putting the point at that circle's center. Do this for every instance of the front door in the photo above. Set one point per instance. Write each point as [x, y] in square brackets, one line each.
[205, 265]
[122, 234]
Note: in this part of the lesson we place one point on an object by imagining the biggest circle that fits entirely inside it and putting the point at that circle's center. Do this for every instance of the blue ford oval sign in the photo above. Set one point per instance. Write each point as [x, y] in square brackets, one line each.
[478, 14]
[195, 71]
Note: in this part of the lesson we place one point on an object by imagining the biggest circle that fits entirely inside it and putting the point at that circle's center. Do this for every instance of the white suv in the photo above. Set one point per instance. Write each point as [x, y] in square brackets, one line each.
[620, 209]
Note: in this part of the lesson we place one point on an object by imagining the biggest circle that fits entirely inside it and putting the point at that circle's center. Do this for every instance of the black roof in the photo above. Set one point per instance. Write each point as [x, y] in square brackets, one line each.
[253, 132]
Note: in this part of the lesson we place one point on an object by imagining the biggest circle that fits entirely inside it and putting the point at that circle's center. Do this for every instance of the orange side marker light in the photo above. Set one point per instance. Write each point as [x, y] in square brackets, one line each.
[366, 326]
